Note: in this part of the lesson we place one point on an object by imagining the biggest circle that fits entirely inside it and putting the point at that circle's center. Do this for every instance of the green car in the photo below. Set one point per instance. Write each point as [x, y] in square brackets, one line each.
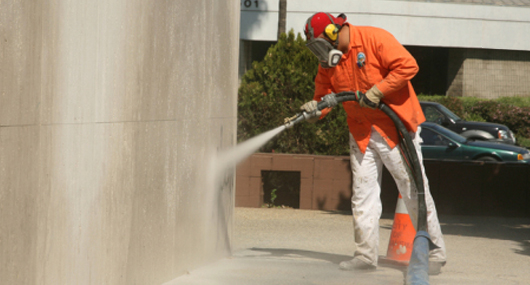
[440, 143]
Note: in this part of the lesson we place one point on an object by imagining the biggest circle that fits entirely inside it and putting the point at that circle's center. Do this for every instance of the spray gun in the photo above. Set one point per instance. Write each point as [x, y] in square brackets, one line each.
[328, 101]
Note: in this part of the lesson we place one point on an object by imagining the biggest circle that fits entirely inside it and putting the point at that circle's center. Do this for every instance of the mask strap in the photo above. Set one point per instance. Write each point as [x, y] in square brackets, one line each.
[310, 32]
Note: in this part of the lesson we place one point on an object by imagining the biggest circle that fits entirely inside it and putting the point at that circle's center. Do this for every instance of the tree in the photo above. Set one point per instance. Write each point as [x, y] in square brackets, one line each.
[282, 17]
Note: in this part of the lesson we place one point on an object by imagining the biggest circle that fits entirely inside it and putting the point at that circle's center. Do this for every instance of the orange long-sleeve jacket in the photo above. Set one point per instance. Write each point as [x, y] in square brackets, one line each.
[387, 64]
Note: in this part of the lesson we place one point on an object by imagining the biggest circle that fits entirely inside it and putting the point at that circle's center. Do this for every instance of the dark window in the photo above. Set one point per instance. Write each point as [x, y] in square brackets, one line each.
[432, 76]
[433, 138]
[281, 188]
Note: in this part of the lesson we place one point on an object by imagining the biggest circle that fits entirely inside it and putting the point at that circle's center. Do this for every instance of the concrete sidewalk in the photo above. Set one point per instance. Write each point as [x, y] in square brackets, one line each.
[286, 246]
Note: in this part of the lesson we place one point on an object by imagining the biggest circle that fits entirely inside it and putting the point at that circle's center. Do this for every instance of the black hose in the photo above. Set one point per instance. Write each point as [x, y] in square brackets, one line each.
[409, 151]
[414, 162]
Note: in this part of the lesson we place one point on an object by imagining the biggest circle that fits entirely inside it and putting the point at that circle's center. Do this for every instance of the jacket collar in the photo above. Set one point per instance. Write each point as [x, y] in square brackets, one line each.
[355, 39]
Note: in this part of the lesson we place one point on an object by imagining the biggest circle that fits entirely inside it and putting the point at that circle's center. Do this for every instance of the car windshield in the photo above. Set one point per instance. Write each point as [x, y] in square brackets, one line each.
[450, 134]
[450, 114]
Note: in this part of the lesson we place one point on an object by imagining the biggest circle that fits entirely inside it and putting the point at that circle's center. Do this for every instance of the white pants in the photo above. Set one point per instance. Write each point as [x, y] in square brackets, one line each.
[366, 205]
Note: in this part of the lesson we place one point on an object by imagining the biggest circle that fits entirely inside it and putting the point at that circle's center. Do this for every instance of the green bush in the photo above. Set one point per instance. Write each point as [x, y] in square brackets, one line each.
[515, 118]
[515, 101]
[274, 89]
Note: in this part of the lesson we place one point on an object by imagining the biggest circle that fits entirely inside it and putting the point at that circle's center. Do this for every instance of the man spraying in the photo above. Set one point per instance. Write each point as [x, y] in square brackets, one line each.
[372, 61]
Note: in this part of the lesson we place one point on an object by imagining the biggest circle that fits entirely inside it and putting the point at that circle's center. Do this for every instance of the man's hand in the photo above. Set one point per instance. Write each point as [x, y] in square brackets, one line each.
[372, 98]
[311, 109]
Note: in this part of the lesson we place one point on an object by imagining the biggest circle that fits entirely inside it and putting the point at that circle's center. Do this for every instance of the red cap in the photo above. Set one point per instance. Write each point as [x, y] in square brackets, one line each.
[320, 21]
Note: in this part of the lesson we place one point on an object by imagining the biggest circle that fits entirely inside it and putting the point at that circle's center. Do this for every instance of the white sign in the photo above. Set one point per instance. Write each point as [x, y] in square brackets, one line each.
[251, 4]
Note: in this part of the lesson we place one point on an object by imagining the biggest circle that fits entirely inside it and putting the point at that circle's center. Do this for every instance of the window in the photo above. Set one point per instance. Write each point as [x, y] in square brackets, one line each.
[433, 115]
[432, 138]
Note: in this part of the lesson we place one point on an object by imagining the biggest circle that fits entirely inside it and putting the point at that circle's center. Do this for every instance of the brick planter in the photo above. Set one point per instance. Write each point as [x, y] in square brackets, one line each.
[325, 181]
[458, 187]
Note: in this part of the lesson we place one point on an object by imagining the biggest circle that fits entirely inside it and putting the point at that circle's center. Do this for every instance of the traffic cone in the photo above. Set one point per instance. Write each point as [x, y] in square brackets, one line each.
[401, 238]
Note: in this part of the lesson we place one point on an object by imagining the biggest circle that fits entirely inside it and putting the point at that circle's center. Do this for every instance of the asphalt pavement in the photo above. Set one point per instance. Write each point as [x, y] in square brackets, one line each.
[289, 246]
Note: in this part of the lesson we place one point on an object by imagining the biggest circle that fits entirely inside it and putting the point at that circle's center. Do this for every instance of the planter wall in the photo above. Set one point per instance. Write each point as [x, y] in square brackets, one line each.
[458, 188]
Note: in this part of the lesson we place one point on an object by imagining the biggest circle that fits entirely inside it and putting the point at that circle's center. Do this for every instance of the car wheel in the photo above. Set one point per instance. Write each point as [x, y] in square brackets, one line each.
[487, 158]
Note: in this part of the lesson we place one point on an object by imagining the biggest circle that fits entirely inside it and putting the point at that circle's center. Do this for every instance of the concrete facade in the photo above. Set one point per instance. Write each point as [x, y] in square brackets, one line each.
[488, 74]
[109, 111]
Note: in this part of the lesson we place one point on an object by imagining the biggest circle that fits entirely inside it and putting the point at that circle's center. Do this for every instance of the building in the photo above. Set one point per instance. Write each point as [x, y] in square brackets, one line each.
[470, 48]
[110, 114]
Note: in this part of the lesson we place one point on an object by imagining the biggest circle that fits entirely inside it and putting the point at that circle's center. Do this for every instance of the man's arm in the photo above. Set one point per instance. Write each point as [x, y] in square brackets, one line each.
[400, 63]
[322, 88]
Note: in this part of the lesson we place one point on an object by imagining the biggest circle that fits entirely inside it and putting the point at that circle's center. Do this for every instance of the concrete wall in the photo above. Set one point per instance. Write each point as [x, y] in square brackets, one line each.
[488, 73]
[108, 112]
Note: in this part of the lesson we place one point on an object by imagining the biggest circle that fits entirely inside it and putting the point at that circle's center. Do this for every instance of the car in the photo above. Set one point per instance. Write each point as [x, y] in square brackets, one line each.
[440, 143]
[439, 114]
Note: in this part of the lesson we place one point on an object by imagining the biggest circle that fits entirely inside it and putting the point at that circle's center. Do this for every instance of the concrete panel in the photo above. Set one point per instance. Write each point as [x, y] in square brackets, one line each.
[19, 201]
[85, 216]
[110, 114]
[20, 78]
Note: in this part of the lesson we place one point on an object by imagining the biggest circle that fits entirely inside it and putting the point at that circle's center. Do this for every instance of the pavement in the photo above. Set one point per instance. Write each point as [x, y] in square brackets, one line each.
[291, 246]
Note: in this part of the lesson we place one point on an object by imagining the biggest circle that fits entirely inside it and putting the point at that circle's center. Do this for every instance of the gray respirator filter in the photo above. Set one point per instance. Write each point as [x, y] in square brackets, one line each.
[324, 51]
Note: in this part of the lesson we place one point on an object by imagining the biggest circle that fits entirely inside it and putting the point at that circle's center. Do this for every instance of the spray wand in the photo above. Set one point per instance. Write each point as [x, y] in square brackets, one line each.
[328, 101]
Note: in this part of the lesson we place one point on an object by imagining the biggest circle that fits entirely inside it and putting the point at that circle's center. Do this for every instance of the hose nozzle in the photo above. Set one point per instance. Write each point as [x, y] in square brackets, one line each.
[289, 122]
[328, 101]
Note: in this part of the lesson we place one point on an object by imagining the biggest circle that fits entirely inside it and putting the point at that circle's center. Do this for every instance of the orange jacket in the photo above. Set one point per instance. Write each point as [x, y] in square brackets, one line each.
[389, 66]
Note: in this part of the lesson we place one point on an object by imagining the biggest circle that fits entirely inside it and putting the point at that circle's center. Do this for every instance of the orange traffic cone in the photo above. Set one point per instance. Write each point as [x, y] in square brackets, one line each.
[401, 238]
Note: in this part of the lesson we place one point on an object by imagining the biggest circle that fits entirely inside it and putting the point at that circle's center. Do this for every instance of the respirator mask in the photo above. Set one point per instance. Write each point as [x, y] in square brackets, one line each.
[327, 53]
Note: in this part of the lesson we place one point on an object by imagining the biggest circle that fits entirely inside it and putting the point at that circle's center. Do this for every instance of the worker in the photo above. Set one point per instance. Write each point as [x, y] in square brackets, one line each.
[372, 61]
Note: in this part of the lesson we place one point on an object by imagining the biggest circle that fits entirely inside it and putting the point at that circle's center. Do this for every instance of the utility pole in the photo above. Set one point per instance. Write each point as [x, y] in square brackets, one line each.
[281, 17]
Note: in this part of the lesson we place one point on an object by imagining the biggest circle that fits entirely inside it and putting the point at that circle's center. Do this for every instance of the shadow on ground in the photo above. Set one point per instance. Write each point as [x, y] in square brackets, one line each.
[284, 252]
[517, 230]
[322, 256]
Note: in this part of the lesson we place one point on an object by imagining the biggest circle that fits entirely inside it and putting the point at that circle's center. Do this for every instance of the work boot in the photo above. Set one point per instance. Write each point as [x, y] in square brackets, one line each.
[435, 267]
[356, 264]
